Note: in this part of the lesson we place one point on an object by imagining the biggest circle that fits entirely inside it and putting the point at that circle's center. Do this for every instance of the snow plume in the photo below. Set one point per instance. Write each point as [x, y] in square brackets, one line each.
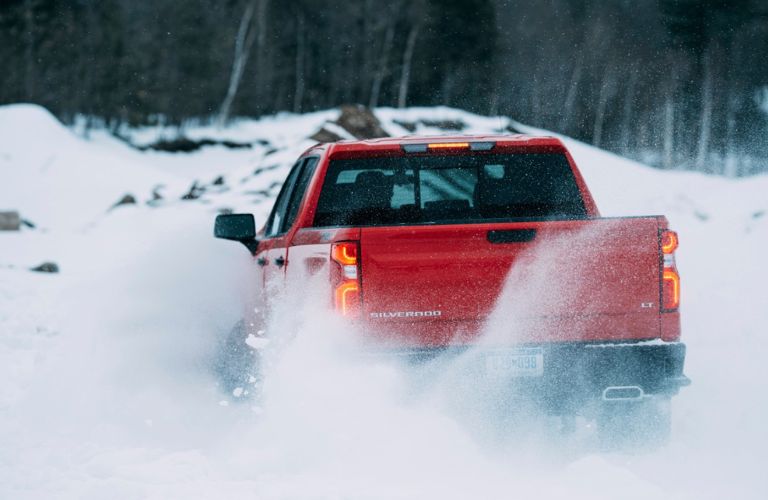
[342, 419]
[551, 274]
[562, 272]
[337, 421]
[140, 326]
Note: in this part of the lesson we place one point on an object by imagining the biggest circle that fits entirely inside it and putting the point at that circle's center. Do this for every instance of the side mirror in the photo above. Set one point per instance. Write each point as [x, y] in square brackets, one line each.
[237, 227]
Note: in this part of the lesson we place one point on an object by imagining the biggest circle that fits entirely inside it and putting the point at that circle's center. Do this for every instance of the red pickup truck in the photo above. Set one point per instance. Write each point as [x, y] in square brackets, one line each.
[433, 246]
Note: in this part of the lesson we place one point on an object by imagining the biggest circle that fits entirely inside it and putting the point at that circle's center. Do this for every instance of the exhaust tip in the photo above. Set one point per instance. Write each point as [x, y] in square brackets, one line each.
[623, 393]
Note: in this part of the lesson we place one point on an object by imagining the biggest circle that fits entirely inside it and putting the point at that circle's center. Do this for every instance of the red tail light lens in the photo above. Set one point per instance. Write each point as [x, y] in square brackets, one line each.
[345, 253]
[669, 242]
[345, 277]
[347, 298]
[670, 279]
[670, 289]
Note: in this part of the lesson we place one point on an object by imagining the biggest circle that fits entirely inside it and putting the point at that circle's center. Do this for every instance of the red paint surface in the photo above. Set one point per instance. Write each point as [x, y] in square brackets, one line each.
[581, 280]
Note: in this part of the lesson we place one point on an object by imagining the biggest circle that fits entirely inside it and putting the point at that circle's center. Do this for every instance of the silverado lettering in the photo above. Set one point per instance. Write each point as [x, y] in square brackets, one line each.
[405, 314]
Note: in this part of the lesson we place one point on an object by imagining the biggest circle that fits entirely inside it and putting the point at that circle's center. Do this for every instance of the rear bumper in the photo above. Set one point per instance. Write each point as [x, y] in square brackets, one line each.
[573, 373]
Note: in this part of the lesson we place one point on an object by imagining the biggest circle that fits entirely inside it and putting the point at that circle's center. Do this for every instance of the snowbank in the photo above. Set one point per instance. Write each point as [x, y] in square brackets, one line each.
[56, 179]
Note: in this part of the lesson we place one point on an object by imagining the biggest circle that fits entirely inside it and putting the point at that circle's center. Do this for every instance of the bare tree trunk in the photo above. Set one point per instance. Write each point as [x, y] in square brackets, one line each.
[536, 102]
[366, 65]
[89, 100]
[243, 43]
[493, 101]
[29, 49]
[378, 78]
[705, 121]
[570, 95]
[642, 132]
[447, 87]
[626, 118]
[669, 130]
[732, 163]
[606, 92]
[261, 44]
[410, 45]
[298, 96]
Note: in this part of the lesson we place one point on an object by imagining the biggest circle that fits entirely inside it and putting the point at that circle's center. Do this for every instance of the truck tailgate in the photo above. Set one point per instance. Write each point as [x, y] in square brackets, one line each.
[542, 281]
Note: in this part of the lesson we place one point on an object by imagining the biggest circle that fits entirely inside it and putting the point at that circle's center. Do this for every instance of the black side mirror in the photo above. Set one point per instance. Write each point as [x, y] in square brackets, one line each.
[237, 227]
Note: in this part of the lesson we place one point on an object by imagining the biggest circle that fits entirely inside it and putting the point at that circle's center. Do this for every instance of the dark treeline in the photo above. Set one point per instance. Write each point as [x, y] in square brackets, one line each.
[678, 83]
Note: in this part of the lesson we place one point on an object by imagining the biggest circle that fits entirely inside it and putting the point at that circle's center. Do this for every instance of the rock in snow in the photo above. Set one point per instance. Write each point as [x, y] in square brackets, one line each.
[10, 221]
[360, 122]
[46, 267]
[127, 199]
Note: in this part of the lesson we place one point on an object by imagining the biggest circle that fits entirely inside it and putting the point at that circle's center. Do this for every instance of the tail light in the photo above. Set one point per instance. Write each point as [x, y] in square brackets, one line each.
[670, 279]
[671, 290]
[347, 298]
[448, 146]
[345, 277]
[669, 242]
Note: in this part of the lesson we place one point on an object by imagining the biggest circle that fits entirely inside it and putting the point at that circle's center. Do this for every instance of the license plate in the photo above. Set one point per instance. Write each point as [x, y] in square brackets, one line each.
[522, 362]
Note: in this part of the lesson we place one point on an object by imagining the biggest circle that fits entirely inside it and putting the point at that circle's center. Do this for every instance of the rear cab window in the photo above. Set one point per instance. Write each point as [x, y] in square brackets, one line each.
[449, 189]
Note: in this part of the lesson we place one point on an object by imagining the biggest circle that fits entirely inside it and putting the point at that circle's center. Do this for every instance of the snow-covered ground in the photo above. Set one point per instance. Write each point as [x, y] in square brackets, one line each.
[106, 389]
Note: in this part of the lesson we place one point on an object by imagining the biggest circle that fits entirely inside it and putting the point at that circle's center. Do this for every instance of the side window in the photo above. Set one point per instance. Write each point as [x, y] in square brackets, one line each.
[298, 194]
[281, 203]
